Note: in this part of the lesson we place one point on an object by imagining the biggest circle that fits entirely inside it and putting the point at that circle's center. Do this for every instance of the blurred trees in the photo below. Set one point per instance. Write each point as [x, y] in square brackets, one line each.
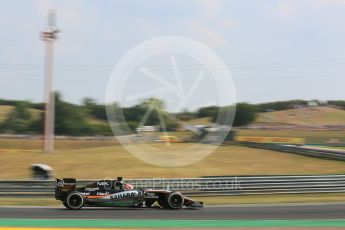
[245, 114]
[90, 118]
[337, 103]
[210, 111]
[241, 115]
[149, 112]
[18, 120]
[93, 109]
[280, 105]
[70, 119]
[185, 115]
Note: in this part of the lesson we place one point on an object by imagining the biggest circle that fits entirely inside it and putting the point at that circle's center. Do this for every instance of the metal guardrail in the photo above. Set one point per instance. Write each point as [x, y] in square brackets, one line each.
[215, 186]
[301, 150]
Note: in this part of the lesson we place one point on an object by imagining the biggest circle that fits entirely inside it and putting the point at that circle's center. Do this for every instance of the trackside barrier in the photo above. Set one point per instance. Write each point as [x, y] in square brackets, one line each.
[330, 154]
[215, 186]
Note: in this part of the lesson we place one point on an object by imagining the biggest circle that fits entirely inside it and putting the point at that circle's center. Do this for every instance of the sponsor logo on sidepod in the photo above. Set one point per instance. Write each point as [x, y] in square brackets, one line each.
[103, 183]
[92, 189]
[123, 195]
[102, 193]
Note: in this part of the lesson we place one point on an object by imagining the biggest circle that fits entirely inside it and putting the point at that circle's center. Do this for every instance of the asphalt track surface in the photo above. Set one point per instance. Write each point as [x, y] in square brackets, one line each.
[272, 212]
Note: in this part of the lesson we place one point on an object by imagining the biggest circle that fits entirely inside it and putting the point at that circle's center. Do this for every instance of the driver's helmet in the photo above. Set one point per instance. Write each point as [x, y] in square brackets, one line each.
[128, 187]
[119, 183]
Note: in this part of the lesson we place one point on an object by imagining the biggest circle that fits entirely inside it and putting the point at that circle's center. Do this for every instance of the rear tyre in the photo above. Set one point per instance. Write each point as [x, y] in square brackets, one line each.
[65, 204]
[175, 200]
[74, 201]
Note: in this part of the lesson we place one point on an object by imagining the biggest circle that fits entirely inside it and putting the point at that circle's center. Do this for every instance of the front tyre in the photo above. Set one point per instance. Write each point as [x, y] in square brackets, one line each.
[175, 200]
[74, 201]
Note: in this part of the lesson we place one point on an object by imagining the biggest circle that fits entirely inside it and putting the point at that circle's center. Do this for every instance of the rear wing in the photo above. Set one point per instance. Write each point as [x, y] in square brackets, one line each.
[65, 184]
[63, 187]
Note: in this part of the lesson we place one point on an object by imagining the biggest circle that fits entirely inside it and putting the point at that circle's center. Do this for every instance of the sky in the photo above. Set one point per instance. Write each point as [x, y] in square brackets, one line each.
[274, 49]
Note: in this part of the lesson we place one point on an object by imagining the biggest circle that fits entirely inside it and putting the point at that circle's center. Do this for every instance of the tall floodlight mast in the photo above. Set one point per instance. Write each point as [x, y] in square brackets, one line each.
[48, 35]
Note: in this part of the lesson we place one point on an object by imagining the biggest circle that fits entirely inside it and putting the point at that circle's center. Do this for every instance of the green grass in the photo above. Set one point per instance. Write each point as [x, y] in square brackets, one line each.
[113, 160]
[77, 224]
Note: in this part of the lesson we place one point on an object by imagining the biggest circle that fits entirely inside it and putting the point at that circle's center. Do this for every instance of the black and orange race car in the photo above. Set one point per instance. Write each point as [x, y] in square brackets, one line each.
[115, 193]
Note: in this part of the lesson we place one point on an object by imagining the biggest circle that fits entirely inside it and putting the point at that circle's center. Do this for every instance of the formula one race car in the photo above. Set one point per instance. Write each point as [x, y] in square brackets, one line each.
[115, 193]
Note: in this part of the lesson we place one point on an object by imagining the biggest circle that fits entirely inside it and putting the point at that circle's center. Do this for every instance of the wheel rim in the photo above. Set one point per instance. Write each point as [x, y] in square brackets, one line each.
[75, 201]
[176, 200]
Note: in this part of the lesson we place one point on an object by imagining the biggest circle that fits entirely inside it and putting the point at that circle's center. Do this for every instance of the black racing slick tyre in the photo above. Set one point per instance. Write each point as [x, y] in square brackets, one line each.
[74, 201]
[65, 204]
[175, 200]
